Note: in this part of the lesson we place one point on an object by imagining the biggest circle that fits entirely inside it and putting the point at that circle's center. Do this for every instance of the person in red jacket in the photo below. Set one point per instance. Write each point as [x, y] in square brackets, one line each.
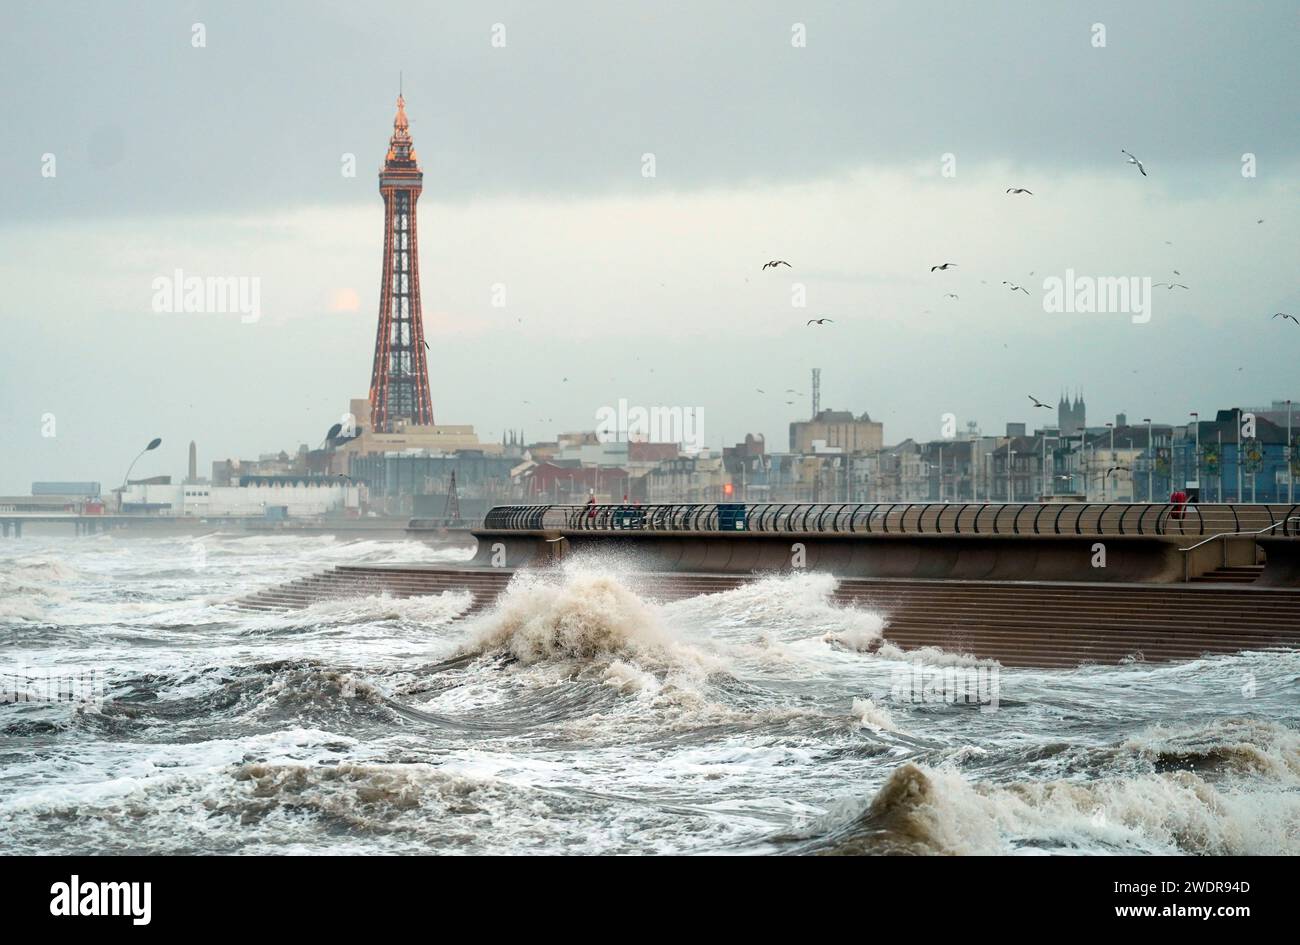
[1178, 500]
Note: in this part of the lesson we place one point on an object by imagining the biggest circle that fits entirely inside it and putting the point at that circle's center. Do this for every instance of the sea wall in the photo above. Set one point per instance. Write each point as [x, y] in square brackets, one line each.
[1135, 559]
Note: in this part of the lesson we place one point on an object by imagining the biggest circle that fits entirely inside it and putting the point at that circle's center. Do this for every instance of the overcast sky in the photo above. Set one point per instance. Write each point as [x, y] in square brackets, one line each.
[226, 160]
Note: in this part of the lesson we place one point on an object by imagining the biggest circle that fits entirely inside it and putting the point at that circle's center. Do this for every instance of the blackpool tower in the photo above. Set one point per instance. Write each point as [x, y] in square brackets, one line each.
[399, 382]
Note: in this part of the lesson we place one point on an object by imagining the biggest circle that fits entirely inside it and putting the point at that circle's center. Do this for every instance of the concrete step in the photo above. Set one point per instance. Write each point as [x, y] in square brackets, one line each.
[1052, 625]
[1172, 612]
[1068, 637]
[1232, 574]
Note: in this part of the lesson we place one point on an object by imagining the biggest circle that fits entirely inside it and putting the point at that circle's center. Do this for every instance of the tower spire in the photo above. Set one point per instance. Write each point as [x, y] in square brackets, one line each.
[399, 380]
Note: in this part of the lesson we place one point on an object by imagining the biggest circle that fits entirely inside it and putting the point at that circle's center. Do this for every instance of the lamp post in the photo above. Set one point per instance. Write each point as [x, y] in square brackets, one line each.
[153, 445]
[1151, 463]
[1290, 470]
[1083, 462]
[1196, 450]
[1239, 487]
[1043, 464]
[1220, 476]
[1110, 461]
[1011, 462]
[1132, 471]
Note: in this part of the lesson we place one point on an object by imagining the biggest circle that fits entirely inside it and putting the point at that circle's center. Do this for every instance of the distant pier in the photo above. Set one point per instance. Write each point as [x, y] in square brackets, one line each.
[12, 525]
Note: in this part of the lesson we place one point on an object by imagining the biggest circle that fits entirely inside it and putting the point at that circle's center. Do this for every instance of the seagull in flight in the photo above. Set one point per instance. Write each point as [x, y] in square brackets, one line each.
[950, 295]
[1039, 403]
[818, 321]
[1171, 285]
[1287, 315]
[943, 266]
[1014, 287]
[773, 263]
[1133, 160]
[1019, 190]
[1115, 469]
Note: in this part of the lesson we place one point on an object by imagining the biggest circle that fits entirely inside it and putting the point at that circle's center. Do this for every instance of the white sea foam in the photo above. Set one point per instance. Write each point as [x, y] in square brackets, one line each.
[1211, 811]
[426, 608]
[587, 717]
[873, 716]
[582, 615]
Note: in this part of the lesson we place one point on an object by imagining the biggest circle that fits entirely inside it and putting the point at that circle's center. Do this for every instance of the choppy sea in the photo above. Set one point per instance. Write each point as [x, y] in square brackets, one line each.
[144, 713]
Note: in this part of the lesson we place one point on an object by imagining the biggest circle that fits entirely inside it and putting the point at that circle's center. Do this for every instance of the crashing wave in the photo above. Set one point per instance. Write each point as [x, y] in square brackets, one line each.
[1242, 800]
[582, 616]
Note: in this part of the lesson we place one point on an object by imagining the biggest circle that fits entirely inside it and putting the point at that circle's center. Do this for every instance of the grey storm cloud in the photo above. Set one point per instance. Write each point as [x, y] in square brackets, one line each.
[143, 122]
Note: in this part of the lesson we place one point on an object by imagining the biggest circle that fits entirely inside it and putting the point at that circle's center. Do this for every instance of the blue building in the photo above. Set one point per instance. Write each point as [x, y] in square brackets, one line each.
[1235, 467]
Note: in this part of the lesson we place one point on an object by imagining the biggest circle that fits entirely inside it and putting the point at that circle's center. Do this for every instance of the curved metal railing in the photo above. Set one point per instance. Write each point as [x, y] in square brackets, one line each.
[903, 518]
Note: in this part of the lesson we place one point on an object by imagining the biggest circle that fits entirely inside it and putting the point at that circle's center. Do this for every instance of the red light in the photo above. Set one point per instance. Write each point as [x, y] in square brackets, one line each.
[727, 489]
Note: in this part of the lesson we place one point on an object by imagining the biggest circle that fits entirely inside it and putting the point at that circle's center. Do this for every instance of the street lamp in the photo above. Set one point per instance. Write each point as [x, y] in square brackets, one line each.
[153, 445]
[1042, 465]
[1240, 490]
[1082, 464]
[1290, 467]
[1151, 463]
[1110, 462]
[1011, 463]
[1196, 450]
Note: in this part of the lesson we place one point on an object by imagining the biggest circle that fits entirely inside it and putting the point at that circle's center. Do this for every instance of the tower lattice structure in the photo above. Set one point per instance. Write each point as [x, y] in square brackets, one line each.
[399, 382]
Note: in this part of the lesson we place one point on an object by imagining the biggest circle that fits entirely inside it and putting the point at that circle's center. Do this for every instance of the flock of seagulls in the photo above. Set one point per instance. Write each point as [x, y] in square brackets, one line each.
[1012, 286]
